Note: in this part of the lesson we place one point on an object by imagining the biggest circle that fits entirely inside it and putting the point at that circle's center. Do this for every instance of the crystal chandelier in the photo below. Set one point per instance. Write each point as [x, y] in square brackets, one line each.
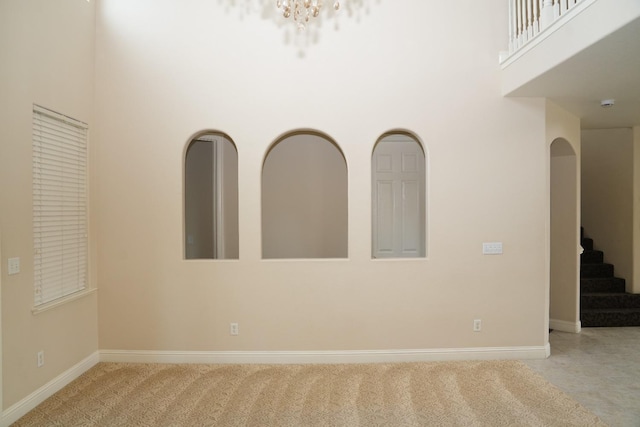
[302, 10]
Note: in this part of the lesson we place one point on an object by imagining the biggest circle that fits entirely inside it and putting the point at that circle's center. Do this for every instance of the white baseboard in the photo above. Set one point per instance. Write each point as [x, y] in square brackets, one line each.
[564, 326]
[309, 357]
[14, 412]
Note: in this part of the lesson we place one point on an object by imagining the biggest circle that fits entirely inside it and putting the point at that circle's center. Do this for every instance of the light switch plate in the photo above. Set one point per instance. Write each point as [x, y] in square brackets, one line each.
[492, 248]
[14, 266]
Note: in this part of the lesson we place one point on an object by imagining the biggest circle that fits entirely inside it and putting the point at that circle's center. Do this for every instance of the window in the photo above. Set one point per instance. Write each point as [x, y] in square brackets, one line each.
[398, 197]
[211, 198]
[304, 198]
[59, 205]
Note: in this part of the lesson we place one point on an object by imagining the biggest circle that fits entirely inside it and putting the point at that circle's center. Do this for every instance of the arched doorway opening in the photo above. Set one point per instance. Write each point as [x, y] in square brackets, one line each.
[564, 271]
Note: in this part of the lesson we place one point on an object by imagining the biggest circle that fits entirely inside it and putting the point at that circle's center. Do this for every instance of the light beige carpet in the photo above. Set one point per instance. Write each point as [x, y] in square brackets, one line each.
[486, 393]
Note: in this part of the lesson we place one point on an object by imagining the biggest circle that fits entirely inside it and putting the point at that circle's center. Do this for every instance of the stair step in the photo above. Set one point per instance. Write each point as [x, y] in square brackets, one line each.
[602, 284]
[609, 300]
[592, 257]
[596, 270]
[610, 317]
[603, 300]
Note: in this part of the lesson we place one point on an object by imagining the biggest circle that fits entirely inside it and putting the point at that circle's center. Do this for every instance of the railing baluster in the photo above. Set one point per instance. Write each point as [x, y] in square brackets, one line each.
[532, 19]
[546, 16]
[511, 15]
[536, 17]
[525, 21]
[529, 19]
[518, 24]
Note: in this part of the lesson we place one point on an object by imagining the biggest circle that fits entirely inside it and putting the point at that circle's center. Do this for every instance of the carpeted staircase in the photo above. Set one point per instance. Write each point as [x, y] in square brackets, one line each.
[603, 300]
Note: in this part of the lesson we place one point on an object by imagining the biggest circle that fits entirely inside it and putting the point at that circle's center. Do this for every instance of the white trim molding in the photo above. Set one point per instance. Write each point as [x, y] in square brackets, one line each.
[1, 351]
[564, 326]
[14, 412]
[325, 357]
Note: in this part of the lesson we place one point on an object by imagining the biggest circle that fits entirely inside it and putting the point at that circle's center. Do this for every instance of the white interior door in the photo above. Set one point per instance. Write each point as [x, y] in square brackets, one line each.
[398, 195]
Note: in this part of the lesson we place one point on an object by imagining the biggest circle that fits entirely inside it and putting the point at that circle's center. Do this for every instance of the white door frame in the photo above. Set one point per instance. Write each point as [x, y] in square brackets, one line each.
[218, 186]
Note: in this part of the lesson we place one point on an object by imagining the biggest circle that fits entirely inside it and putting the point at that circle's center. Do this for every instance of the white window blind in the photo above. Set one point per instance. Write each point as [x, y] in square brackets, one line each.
[59, 205]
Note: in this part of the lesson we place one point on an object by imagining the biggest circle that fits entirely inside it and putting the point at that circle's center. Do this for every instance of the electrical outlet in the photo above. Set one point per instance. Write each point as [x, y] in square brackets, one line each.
[233, 329]
[477, 325]
[40, 358]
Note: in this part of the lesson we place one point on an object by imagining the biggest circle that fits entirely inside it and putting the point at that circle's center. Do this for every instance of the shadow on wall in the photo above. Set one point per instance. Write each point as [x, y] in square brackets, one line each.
[353, 10]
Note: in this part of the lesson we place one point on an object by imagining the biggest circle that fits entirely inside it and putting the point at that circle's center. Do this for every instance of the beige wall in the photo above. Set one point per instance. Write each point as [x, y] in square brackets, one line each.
[431, 72]
[47, 57]
[607, 196]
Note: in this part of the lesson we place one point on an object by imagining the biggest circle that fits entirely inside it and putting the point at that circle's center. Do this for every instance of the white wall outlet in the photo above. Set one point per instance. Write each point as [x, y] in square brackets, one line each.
[14, 266]
[492, 248]
[233, 329]
[477, 325]
[40, 358]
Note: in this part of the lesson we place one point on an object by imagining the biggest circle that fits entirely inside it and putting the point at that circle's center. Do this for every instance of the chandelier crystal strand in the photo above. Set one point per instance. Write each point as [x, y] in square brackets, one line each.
[302, 10]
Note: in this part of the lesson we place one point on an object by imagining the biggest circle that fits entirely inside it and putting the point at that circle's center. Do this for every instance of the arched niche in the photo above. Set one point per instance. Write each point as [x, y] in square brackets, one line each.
[211, 197]
[304, 198]
[398, 195]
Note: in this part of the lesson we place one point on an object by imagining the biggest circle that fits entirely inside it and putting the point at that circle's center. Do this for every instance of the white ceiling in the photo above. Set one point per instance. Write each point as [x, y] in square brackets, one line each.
[608, 69]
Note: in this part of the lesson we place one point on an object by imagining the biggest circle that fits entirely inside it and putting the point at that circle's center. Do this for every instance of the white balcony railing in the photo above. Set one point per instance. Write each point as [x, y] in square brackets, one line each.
[528, 18]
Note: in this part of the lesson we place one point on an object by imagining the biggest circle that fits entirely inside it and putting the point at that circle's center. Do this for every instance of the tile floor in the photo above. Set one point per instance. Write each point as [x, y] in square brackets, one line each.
[600, 368]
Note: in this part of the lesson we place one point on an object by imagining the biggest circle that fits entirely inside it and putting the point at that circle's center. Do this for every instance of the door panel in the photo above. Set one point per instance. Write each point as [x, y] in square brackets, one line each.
[385, 220]
[410, 219]
[398, 198]
[409, 163]
[384, 163]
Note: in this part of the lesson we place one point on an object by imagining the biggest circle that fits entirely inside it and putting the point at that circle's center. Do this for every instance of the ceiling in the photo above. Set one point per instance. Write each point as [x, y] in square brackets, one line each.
[608, 69]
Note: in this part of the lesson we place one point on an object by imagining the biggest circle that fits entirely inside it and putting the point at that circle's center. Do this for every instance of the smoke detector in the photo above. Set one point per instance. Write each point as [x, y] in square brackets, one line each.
[607, 103]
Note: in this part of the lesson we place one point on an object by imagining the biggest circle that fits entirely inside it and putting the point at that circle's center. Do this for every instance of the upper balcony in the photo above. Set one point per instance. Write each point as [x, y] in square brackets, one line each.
[576, 53]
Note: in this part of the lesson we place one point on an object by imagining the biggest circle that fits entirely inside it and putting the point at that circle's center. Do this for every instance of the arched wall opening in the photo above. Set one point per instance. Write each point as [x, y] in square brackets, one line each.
[398, 196]
[211, 197]
[304, 198]
[564, 279]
